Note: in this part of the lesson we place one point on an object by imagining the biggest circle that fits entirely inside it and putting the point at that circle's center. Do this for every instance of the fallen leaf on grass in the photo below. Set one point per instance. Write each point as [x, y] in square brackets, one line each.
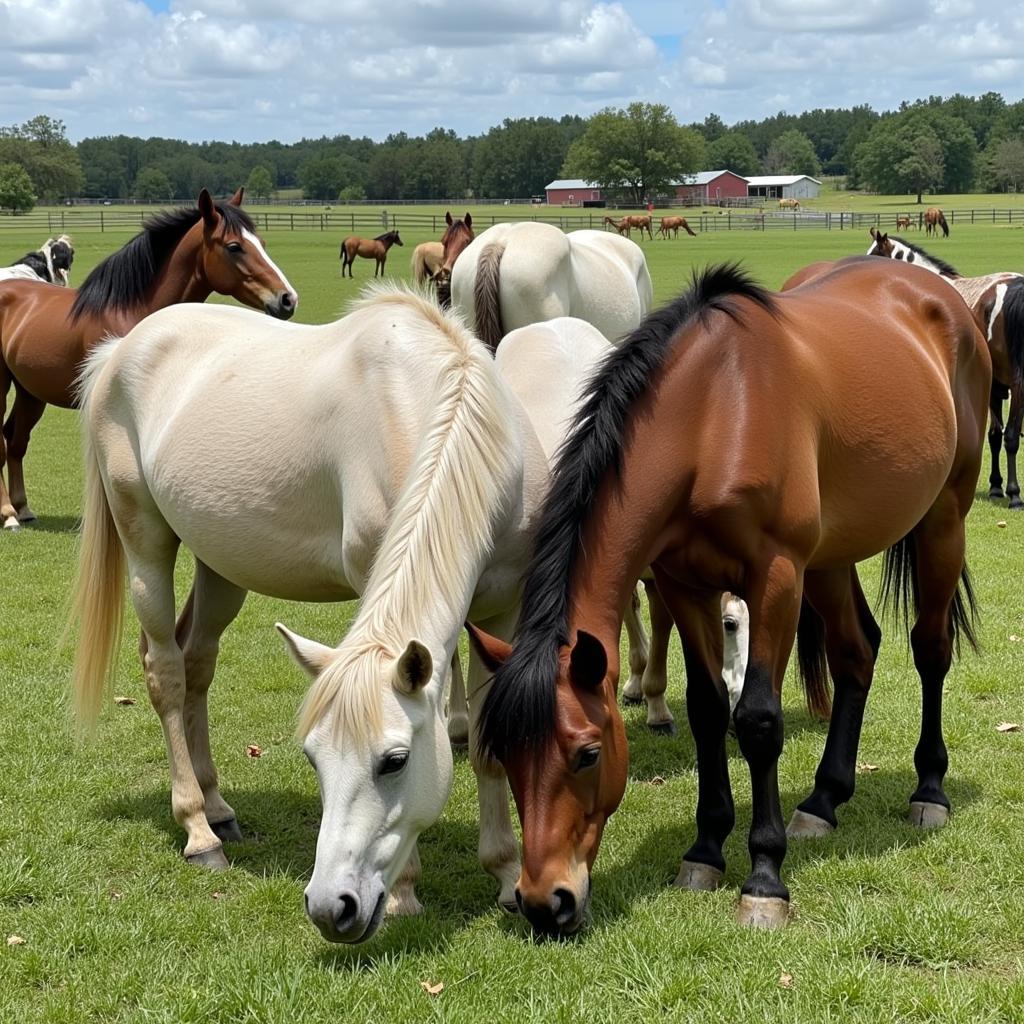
[1008, 727]
[1014, 639]
[657, 781]
[15, 940]
[116, 894]
[432, 988]
[216, 894]
[785, 980]
[1001, 524]
[863, 766]
[125, 702]
[254, 751]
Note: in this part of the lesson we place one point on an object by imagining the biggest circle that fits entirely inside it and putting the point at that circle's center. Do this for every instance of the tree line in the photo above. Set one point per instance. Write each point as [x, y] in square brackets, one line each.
[939, 144]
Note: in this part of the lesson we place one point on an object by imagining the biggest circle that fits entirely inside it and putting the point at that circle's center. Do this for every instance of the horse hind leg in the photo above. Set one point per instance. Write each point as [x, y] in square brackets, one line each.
[27, 412]
[639, 650]
[655, 678]
[8, 513]
[1011, 440]
[458, 711]
[995, 440]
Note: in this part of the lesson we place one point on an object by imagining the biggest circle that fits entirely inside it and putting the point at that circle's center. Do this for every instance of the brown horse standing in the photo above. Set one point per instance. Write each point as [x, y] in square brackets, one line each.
[934, 219]
[884, 377]
[673, 224]
[642, 222]
[427, 259]
[369, 248]
[622, 226]
[902, 221]
[457, 236]
[46, 331]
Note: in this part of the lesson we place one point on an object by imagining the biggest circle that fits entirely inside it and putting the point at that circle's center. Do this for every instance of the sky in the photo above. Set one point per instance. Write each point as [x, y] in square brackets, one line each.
[255, 70]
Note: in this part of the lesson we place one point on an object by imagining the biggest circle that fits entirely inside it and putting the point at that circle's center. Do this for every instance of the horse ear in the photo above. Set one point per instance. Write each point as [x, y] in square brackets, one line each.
[468, 219]
[588, 662]
[311, 656]
[414, 668]
[492, 651]
[448, 217]
[873, 231]
[208, 210]
[236, 199]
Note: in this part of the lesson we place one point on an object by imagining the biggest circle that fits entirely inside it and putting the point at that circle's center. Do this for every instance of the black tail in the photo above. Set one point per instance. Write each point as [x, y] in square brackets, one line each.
[1013, 328]
[810, 656]
[900, 594]
[945, 226]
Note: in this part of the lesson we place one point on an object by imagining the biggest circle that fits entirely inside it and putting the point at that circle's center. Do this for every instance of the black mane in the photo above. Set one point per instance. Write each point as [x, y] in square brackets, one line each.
[387, 236]
[519, 711]
[36, 262]
[944, 268]
[122, 280]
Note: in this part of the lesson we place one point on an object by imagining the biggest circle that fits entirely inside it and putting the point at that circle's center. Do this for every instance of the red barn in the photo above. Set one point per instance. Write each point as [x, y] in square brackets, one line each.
[574, 192]
[705, 188]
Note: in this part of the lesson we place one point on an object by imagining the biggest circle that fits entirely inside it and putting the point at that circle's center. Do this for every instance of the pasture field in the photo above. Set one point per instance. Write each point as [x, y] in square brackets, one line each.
[889, 923]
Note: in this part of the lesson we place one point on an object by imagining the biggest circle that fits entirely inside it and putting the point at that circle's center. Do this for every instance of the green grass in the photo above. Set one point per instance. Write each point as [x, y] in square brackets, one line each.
[888, 923]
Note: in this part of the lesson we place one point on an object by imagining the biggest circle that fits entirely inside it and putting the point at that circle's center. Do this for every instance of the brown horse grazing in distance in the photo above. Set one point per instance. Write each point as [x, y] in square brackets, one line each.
[673, 224]
[934, 219]
[884, 377]
[642, 222]
[369, 248]
[902, 221]
[427, 259]
[622, 226]
[46, 331]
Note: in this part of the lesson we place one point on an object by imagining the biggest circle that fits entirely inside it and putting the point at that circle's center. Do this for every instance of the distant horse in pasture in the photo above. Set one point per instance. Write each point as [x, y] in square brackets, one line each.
[902, 221]
[50, 263]
[997, 301]
[934, 219]
[673, 224]
[368, 248]
[622, 226]
[789, 204]
[427, 259]
[642, 222]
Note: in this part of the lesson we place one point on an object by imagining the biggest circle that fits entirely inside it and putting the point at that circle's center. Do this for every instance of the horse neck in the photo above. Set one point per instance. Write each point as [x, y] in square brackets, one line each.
[181, 279]
[921, 259]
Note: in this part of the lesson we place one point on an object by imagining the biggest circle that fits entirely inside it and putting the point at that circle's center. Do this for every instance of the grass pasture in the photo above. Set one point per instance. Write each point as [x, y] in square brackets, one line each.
[889, 924]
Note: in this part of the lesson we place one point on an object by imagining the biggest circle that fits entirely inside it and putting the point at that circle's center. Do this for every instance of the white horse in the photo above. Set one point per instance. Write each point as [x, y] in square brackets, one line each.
[512, 275]
[51, 263]
[543, 363]
[382, 456]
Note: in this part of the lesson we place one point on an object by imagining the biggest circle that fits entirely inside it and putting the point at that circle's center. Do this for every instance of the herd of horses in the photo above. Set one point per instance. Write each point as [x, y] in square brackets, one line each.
[534, 447]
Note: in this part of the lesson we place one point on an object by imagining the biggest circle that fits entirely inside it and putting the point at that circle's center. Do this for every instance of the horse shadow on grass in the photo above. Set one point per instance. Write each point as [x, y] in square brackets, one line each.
[53, 524]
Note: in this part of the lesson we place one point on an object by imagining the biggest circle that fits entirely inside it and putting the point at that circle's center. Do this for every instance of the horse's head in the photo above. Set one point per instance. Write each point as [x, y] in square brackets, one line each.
[566, 781]
[396, 240]
[374, 731]
[456, 237]
[881, 244]
[234, 261]
[62, 255]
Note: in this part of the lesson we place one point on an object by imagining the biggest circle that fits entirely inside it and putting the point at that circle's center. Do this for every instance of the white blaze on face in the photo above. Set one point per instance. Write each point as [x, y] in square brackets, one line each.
[265, 256]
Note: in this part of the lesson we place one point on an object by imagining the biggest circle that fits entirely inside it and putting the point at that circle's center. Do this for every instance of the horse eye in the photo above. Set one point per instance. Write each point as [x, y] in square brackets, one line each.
[394, 762]
[588, 757]
[234, 247]
[731, 625]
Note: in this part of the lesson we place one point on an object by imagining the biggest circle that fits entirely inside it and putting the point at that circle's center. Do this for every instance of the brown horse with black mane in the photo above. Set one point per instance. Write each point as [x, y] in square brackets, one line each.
[884, 377]
[46, 331]
[934, 219]
[368, 248]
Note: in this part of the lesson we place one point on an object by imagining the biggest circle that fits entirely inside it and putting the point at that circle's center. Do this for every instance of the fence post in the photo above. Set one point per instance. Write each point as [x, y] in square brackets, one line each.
[728, 221]
[101, 220]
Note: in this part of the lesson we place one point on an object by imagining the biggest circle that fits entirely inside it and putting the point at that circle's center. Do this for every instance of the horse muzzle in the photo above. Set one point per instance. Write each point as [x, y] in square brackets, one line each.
[557, 914]
[282, 306]
[345, 915]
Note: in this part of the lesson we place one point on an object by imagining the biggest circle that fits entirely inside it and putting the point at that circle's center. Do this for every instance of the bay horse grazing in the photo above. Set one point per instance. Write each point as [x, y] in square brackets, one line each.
[934, 219]
[902, 221]
[884, 377]
[512, 275]
[673, 224]
[369, 248]
[998, 304]
[789, 204]
[642, 222]
[623, 226]
[51, 263]
[434, 474]
[427, 259]
[182, 255]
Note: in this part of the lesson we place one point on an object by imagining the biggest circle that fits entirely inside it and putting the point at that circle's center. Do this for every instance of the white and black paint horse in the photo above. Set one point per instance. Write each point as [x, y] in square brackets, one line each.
[51, 263]
[997, 301]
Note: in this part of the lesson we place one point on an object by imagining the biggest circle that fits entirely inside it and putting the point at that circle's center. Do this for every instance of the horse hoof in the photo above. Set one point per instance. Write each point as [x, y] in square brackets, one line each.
[631, 699]
[509, 908]
[807, 826]
[1016, 504]
[458, 735]
[663, 728]
[996, 494]
[212, 859]
[227, 831]
[762, 912]
[11, 524]
[26, 515]
[698, 877]
[928, 815]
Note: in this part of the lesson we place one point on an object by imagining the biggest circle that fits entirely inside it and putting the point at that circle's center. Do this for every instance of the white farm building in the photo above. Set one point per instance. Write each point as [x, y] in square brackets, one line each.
[783, 186]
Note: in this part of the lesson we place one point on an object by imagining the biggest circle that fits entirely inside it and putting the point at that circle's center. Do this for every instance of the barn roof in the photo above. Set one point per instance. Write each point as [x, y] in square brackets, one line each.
[703, 177]
[780, 179]
[571, 183]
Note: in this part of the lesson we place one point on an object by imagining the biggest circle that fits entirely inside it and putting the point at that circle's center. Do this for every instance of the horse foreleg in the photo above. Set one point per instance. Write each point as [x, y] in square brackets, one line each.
[27, 412]
[655, 679]
[639, 651]
[458, 712]
[1011, 439]
[995, 439]
[8, 514]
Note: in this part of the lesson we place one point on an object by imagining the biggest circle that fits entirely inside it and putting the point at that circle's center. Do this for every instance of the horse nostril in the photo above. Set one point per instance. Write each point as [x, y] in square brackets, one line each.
[287, 302]
[347, 912]
[564, 907]
[519, 900]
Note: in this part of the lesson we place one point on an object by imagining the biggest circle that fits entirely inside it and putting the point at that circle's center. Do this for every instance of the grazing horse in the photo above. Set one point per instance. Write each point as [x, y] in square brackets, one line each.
[51, 263]
[789, 204]
[427, 259]
[884, 378]
[998, 304]
[934, 219]
[622, 226]
[45, 332]
[403, 471]
[369, 248]
[642, 222]
[673, 224]
[902, 221]
[512, 275]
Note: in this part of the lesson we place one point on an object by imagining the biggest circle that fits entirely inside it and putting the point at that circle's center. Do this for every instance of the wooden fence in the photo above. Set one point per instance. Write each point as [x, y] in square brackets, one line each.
[49, 222]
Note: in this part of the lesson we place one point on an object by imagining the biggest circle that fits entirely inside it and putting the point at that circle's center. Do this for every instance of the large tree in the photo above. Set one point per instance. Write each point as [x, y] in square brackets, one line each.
[41, 147]
[1006, 163]
[16, 192]
[260, 183]
[792, 152]
[153, 186]
[637, 152]
[733, 151]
